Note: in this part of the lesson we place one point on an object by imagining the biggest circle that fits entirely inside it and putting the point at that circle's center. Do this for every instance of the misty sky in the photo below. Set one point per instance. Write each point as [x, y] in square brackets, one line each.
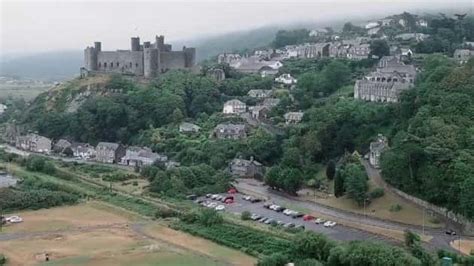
[37, 26]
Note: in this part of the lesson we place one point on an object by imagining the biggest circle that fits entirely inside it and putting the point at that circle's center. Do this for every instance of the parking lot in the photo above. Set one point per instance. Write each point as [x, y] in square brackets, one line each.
[338, 232]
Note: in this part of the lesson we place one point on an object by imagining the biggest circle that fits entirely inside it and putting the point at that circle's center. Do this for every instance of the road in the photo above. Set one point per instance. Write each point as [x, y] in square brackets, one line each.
[439, 240]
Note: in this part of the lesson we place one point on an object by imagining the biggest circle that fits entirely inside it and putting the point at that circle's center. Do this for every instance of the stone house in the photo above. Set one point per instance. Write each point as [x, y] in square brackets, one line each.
[358, 51]
[138, 156]
[259, 93]
[229, 131]
[216, 73]
[293, 117]
[271, 102]
[186, 127]
[259, 112]
[463, 55]
[376, 149]
[246, 168]
[286, 79]
[34, 142]
[108, 152]
[234, 107]
[61, 145]
[83, 150]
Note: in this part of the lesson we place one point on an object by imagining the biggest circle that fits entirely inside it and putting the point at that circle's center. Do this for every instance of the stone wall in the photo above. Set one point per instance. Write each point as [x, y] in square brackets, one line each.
[130, 62]
[172, 60]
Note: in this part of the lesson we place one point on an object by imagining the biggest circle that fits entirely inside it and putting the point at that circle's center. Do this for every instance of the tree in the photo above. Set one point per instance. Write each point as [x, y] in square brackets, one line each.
[331, 170]
[310, 245]
[355, 182]
[379, 48]
[177, 116]
[245, 215]
[339, 184]
[276, 259]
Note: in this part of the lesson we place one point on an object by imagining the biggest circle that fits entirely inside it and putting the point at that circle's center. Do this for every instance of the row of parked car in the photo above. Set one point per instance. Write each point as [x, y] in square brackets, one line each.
[210, 204]
[271, 221]
[295, 214]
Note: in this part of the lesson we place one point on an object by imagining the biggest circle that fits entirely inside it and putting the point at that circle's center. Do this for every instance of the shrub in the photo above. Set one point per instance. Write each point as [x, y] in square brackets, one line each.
[377, 193]
[165, 213]
[209, 217]
[245, 215]
[3, 259]
[396, 208]
[276, 259]
[135, 183]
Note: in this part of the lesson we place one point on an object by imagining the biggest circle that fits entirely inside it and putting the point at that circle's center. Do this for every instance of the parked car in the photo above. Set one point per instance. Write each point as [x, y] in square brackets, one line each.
[279, 209]
[288, 212]
[212, 205]
[14, 219]
[329, 224]
[191, 197]
[229, 201]
[214, 196]
[269, 221]
[232, 191]
[279, 222]
[450, 232]
[247, 198]
[319, 221]
[199, 201]
[220, 208]
[289, 225]
[263, 219]
[208, 195]
[267, 205]
[300, 226]
[255, 217]
[297, 215]
[308, 217]
[255, 200]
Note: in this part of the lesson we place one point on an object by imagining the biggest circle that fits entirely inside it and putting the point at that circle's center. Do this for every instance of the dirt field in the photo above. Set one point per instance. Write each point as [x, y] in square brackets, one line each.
[467, 245]
[98, 234]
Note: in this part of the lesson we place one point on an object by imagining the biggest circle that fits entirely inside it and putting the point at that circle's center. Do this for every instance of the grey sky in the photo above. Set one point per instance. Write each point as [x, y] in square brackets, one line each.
[34, 26]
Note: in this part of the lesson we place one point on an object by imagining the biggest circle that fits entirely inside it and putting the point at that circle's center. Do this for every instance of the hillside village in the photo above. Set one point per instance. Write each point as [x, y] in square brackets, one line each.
[365, 122]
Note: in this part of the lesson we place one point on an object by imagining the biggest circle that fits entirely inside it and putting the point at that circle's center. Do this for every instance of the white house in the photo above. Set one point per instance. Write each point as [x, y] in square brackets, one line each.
[286, 79]
[3, 108]
[234, 107]
[371, 25]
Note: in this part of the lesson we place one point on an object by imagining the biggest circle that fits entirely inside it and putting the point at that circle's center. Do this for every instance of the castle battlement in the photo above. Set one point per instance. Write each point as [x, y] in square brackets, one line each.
[147, 59]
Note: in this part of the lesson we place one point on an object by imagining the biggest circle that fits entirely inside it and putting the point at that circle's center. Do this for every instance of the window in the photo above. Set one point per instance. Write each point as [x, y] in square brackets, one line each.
[111, 64]
[131, 65]
[118, 64]
[105, 64]
[136, 64]
[99, 64]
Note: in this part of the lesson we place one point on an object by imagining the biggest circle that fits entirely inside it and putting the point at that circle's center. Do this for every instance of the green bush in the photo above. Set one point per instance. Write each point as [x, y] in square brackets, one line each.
[165, 213]
[3, 259]
[396, 208]
[377, 193]
[245, 215]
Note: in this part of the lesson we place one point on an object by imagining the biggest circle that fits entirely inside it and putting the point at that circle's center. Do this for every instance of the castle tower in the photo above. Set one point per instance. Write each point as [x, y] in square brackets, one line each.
[160, 42]
[189, 56]
[135, 41]
[151, 62]
[90, 56]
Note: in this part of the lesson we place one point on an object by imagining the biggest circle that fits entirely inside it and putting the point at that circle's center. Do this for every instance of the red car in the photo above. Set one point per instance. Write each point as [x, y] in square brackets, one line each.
[229, 201]
[232, 191]
[308, 217]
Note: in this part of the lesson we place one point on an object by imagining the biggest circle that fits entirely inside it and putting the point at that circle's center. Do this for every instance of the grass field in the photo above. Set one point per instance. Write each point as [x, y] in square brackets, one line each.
[380, 207]
[21, 91]
[95, 233]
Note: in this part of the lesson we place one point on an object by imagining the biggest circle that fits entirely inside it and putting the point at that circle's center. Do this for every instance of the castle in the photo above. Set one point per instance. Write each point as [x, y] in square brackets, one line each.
[148, 60]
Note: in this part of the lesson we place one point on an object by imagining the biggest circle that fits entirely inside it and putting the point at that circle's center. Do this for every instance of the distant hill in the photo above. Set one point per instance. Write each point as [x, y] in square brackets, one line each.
[57, 65]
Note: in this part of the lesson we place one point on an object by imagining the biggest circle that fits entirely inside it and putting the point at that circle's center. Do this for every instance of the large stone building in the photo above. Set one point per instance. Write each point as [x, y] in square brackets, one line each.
[387, 82]
[246, 168]
[107, 152]
[34, 142]
[145, 59]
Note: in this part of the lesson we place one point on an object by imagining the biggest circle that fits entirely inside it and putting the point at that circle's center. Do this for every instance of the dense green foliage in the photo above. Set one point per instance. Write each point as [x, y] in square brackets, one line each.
[289, 37]
[432, 152]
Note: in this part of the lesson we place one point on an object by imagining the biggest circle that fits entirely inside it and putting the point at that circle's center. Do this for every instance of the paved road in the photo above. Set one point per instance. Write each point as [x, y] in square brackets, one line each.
[440, 239]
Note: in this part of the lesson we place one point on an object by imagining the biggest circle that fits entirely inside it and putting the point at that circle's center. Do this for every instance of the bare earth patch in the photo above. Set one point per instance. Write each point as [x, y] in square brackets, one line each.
[99, 234]
[464, 247]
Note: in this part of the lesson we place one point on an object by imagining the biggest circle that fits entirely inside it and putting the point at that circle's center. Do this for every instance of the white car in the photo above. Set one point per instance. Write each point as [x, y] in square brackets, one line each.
[329, 224]
[214, 196]
[14, 219]
[288, 212]
[220, 208]
[319, 221]
[212, 205]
